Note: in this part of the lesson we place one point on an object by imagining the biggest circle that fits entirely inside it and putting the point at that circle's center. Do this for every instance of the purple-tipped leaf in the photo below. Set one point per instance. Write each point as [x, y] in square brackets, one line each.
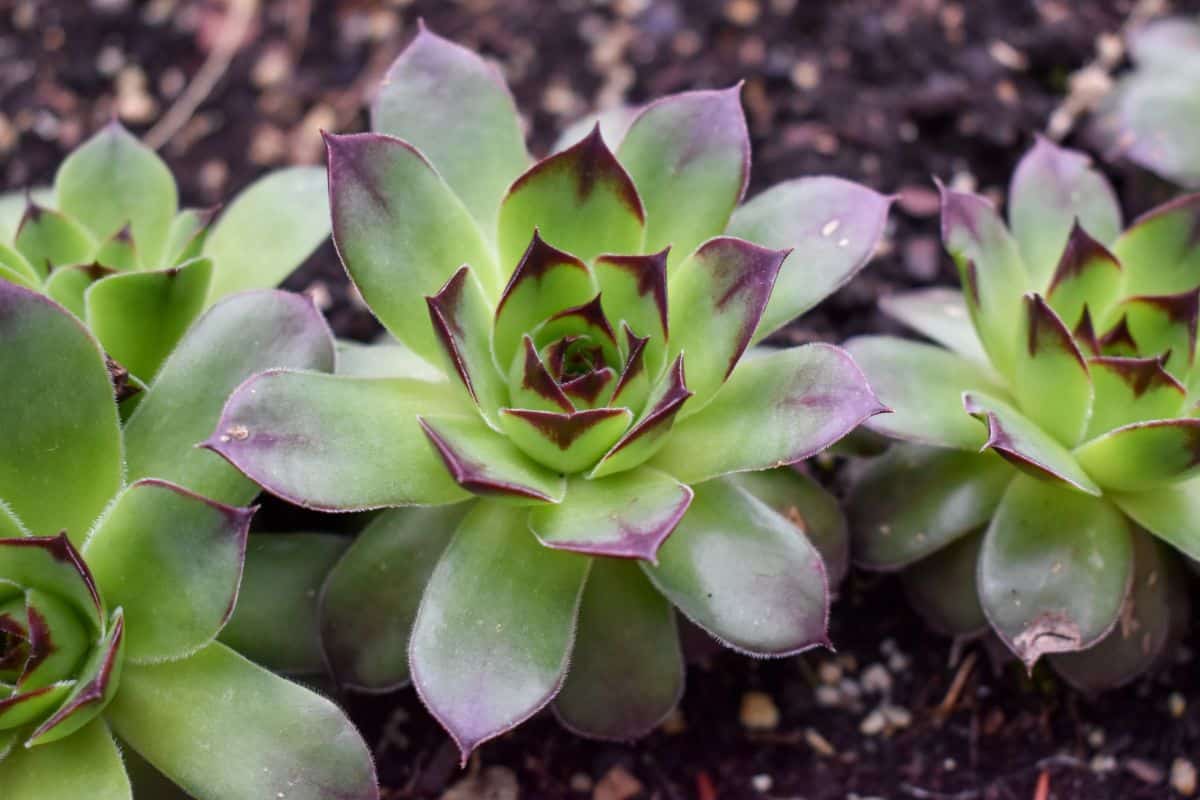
[485, 463]
[463, 324]
[1143, 455]
[1088, 276]
[565, 443]
[939, 314]
[1172, 513]
[96, 683]
[531, 385]
[582, 321]
[1165, 325]
[591, 389]
[52, 564]
[1160, 251]
[1130, 390]
[649, 433]
[634, 291]
[1048, 358]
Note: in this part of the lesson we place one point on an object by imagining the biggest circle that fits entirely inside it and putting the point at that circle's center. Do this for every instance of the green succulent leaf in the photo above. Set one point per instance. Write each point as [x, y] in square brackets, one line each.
[95, 686]
[531, 385]
[239, 711]
[268, 230]
[60, 455]
[718, 296]
[49, 239]
[633, 290]
[914, 501]
[627, 665]
[565, 442]
[14, 204]
[289, 432]
[462, 321]
[744, 573]
[87, 764]
[483, 462]
[371, 597]
[113, 180]
[689, 156]
[1130, 390]
[832, 227]
[634, 383]
[990, 267]
[494, 633]
[922, 385]
[1165, 325]
[1143, 455]
[1055, 569]
[583, 322]
[196, 547]
[401, 232]
[941, 315]
[57, 644]
[188, 232]
[647, 436]
[1022, 443]
[386, 359]
[583, 182]
[1088, 276]
[1157, 599]
[628, 515]
[943, 590]
[776, 409]
[1050, 358]
[16, 268]
[283, 576]
[52, 564]
[118, 252]
[236, 338]
[1053, 190]
[456, 109]
[68, 285]
[139, 317]
[1159, 251]
[1172, 513]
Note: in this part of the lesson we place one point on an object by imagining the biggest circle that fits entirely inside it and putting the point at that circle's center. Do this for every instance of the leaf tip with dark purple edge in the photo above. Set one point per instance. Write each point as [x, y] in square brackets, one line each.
[539, 258]
[650, 272]
[94, 691]
[443, 315]
[1085, 332]
[1046, 329]
[1080, 251]
[471, 475]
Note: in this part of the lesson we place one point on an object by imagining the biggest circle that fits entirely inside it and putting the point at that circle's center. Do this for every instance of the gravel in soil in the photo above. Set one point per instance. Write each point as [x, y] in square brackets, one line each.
[887, 92]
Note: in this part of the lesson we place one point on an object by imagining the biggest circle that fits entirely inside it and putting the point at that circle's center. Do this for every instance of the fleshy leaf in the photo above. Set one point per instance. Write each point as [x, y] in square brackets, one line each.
[371, 597]
[627, 665]
[942, 588]
[213, 722]
[188, 232]
[118, 252]
[628, 515]
[633, 384]
[546, 281]
[282, 581]
[1053, 190]
[991, 270]
[60, 455]
[289, 432]
[494, 633]
[922, 385]
[832, 227]
[583, 182]
[1088, 276]
[113, 180]
[586, 321]
[400, 232]
[565, 442]
[1054, 570]
[689, 156]
[1160, 251]
[776, 409]
[68, 285]
[268, 231]
[1022, 443]
[483, 462]
[592, 389]
[139, 317]
[1172, 513]
[1049, 358]
[1143, 455]
[386, 359]
[1130, 390]
[48, 239]
[96, 682]
[463, 324]
[16, 268]
[718, 295]
[913, 501]
[633, 290]
[939, 314]
[172, 560]
[455, 108]
[52, 564]
[236, 338]
[530, 385]
[744, 573]
[1166, 324]
[87, 764]
[641, 441]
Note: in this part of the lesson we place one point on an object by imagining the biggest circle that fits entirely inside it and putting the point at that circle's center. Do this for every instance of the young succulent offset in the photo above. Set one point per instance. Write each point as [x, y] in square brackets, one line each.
[109, 244]
[590, 316]
[114, 582]
[1151, 115]
[1051, 426]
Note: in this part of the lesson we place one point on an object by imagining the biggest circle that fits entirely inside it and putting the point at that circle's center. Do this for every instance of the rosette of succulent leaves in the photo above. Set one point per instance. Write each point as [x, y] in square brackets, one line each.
[1046, 488]
[1151, 115]
[574, 432]
[121, 551]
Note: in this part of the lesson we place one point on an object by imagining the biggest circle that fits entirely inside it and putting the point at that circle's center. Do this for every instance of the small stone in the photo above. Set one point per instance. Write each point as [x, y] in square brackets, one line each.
[759, 712]
[272, 67]
[806, 75]
[1008, 56]
[110, 60]
[134, 103]
[876, 679]
[492, 783]
[1176, 705]
[742, 12]
[828, 696]
[873, 724]
[1144, 771]
[1183, 777]
[581, 783]
[1103, 764]
[617, 784]
[819, 743]
[897, 716]
[762, 783]
[1096, 738]
[829, 672]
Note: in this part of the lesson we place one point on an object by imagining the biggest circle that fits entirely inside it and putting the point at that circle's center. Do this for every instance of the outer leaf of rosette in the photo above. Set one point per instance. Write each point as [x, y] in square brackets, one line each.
[48, 238]
[565, 443]
[546, 281]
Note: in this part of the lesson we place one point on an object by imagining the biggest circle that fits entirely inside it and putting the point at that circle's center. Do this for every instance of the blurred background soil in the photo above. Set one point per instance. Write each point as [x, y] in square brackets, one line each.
[886, 92]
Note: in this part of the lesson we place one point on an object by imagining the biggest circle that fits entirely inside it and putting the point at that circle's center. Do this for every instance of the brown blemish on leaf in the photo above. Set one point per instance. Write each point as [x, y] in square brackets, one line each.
[123, 388]
[1048, 632]
[234, 433]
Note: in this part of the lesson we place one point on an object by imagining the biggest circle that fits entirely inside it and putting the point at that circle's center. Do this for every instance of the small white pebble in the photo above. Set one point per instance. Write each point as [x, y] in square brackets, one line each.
[1176, 705]
[876, 679]
[829, 672]
[828, 696]
[762, 783]
[873, 724]
[1183, 777]
[1096, 738]
[1103, 764]
[897, 716]
[759, 712]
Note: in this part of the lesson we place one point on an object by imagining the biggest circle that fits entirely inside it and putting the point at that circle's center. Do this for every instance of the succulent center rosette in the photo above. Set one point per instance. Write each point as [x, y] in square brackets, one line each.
[573, 354]
[1074, 344]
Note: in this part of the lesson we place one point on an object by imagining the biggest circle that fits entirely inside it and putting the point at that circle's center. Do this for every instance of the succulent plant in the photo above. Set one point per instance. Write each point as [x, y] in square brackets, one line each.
[1150, 116]
[109, 244]
[115, 579]
[568, 427]
[1051, 437]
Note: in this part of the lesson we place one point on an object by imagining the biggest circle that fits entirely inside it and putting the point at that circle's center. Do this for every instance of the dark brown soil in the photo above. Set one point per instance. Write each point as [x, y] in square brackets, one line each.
[888, 92]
